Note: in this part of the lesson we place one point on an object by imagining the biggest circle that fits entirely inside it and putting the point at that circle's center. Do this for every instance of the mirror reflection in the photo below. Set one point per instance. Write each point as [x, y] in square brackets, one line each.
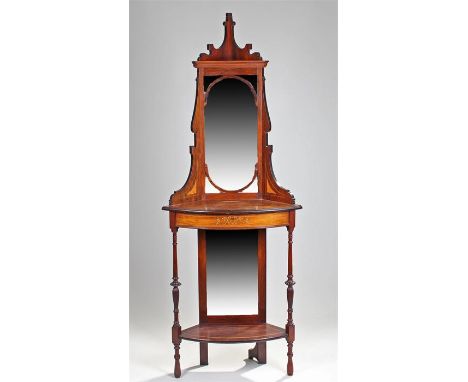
[231, 272]
[230, 132]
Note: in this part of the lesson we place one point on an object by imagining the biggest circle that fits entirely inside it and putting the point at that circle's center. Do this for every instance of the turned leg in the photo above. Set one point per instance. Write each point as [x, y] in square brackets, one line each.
[203, 353]
[259, 352]
[290, 295]
[175, 297]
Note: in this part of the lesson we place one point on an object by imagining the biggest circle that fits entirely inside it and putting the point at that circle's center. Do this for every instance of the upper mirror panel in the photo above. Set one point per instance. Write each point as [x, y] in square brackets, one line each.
[230, 131]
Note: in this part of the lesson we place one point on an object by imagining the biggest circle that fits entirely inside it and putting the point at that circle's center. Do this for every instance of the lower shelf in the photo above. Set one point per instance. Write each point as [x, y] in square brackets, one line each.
[232, 333]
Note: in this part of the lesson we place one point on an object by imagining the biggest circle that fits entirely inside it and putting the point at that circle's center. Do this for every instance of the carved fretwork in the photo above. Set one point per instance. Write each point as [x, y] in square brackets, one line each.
[272, 190]
[220, 189]
[229, 50]
[222, 78]
[194, 185]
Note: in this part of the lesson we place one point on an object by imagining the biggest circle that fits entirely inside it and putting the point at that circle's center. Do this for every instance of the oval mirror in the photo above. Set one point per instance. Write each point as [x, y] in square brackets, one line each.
[230, 133]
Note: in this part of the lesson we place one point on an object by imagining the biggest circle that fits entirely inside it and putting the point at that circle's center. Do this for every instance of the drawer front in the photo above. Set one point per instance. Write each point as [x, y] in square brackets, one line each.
[247, 221]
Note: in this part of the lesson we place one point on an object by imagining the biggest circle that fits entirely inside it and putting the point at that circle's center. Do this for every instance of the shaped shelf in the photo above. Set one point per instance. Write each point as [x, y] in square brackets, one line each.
[233, 333]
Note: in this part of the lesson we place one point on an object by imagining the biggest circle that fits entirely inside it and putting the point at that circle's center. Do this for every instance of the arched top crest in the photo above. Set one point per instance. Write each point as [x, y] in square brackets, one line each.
[229, 50]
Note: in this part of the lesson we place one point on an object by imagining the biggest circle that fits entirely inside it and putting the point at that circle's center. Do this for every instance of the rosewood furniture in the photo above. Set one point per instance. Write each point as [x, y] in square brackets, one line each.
[204, 204]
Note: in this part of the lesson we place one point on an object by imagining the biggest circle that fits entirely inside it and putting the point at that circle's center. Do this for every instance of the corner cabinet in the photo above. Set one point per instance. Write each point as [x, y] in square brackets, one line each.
[231, 197]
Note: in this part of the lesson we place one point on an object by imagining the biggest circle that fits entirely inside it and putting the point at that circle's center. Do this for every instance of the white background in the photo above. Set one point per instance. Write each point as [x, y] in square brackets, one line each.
[402, 191]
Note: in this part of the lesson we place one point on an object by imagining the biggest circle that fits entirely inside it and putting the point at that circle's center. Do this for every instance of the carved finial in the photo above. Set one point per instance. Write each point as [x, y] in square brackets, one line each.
[229, 50]
[229, 39]
[229, 21]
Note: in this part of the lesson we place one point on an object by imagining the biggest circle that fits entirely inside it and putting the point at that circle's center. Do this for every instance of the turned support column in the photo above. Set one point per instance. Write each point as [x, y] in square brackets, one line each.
[290, 328]
[175, 297]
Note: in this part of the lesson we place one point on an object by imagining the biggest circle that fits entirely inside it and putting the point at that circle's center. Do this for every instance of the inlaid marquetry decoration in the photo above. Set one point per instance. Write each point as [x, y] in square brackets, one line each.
[231, 219]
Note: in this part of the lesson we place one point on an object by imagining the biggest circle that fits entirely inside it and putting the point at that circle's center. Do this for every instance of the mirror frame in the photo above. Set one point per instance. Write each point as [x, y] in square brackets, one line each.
[230, 60]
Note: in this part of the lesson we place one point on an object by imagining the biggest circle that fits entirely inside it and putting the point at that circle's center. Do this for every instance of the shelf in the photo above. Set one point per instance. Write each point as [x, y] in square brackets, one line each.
[232, 207]
[232, 333]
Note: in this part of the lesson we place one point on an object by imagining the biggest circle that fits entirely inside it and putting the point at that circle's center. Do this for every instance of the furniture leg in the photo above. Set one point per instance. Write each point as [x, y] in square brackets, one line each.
[290, 329]
[175, 297]
[203, 353]
[258, 352]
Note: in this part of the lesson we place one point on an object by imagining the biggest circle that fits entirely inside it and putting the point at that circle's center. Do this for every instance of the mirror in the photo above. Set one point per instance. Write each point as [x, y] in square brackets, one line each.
[231, 272]
[230, 131]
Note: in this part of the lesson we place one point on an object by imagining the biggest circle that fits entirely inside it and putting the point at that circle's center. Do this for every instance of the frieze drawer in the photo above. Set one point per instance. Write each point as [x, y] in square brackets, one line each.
[234, 221]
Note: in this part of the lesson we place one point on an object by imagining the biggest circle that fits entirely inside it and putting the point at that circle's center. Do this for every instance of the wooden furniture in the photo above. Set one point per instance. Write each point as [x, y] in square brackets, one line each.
[203, 203]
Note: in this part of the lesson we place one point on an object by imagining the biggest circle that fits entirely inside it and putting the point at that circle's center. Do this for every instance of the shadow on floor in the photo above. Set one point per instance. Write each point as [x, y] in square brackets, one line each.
[189, 375]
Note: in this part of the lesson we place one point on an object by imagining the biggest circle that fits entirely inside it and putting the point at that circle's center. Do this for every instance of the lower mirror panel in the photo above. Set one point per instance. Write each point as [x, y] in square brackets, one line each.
[231, 272]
